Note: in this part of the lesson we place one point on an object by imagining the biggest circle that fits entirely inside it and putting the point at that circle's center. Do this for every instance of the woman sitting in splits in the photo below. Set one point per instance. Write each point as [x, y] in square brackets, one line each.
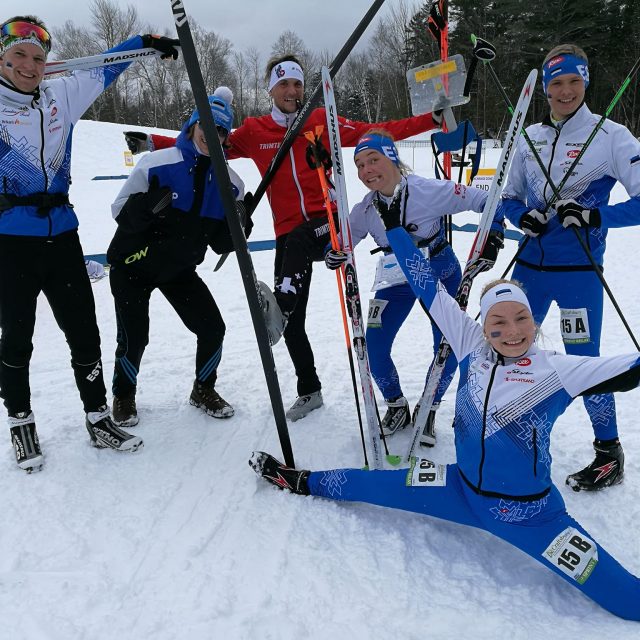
[509, 396]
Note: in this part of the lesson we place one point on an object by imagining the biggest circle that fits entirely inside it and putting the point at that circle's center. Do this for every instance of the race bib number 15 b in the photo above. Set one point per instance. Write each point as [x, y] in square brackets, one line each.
[573, 553]
[424, 473]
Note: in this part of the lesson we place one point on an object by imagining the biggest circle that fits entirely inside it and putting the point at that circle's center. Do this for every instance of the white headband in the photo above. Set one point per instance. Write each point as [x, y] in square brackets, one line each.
[284, 71]
[502, 292]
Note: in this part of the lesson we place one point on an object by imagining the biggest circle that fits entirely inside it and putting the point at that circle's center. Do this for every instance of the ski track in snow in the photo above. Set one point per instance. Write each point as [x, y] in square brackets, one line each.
[181, 540]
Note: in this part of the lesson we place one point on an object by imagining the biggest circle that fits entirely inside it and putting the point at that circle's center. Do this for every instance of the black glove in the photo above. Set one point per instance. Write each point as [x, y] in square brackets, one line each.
[334, 259]
[156, 200]
[317, 155]
[166, 46]
[492, 245]
[572, 214]
[245, 209]
[390, 213]
[533, 223]
[137, 141]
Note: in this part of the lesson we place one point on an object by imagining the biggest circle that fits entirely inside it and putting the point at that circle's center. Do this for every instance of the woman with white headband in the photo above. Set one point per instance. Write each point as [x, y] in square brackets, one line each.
[424, 201]
[297, 203]
[551, 263]
[509, 396]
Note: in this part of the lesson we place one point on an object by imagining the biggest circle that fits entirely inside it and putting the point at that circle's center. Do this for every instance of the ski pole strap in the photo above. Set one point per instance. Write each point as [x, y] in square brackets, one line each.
[43, 201]
[458, 139]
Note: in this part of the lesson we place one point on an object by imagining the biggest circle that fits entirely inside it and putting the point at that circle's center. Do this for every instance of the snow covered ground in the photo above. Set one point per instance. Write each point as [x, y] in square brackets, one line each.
[183, 541]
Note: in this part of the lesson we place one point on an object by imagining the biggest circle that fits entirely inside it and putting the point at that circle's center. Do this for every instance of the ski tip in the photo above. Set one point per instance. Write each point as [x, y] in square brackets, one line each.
[473, 38]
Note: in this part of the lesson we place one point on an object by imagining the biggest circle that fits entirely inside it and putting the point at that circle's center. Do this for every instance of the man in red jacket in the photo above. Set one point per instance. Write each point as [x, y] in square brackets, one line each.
[296, 200]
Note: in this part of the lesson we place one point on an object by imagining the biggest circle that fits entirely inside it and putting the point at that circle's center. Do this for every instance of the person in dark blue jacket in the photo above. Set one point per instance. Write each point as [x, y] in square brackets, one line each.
[168, 212]
[510, 394]
[39, 246]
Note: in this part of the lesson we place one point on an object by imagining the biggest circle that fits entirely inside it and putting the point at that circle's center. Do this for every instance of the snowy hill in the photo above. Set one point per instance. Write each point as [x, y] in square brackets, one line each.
[181, 540]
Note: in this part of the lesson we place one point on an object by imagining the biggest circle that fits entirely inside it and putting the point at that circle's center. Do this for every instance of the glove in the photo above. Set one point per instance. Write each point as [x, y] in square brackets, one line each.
[137, 141]
[390, 213]
[156, 200]
[245, 209]
[317, 153]
[572, 214]
[533, 223]
[334, 259]
[492, 245]
[436, 116]
[166, 46]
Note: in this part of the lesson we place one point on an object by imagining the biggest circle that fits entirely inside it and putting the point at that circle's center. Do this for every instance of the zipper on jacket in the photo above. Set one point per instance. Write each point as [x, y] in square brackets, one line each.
[484, 423]
[298, 187]
[544, 191]
[44, 168]
[535, 451]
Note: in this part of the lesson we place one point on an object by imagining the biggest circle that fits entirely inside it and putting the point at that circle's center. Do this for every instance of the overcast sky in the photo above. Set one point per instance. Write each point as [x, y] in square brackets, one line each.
[322, 24]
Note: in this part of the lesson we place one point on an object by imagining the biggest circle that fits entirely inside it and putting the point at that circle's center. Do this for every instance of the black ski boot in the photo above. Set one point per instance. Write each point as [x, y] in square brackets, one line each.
[105, 435]
[205, 397]
[124, 411]
[606, 470]
[24, 439]
[279, 474]
[397, 416]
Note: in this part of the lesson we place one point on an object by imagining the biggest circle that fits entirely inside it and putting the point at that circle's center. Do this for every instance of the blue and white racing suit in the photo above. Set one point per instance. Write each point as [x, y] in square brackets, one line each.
[505, 410]
[424, 202]
[553, 266]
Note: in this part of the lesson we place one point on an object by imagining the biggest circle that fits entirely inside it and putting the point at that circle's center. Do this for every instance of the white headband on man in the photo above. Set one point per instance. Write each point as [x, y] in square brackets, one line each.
[284, 71]
[502, 292]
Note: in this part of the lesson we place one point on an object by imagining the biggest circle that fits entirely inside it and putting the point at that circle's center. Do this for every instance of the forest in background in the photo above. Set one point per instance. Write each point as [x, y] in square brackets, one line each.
[371, 86]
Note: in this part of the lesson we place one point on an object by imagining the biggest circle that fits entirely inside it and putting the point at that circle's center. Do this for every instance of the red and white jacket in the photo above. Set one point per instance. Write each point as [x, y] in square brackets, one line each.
[295, 194]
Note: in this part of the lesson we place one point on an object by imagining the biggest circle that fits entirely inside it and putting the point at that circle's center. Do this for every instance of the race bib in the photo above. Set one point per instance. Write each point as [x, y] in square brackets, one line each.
[424, 473]
[389, 273]
[376, 307]
[573, 553]
[574, 326]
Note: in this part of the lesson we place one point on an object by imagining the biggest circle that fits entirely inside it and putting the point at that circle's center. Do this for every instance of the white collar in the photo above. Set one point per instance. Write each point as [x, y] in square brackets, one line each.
[283, 119]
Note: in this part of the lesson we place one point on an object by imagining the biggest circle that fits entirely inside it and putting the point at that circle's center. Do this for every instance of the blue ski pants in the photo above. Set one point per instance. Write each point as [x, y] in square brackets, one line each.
[542, 528]
[574, 290]
[400, 302]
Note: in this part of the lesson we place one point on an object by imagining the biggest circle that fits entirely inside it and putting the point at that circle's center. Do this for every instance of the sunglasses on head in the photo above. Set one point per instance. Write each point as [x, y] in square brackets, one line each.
[20, 29]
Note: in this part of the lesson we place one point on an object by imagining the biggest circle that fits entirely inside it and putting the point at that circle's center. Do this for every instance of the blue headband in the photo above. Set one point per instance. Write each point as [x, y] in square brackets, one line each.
[381, 144]
[563, 64]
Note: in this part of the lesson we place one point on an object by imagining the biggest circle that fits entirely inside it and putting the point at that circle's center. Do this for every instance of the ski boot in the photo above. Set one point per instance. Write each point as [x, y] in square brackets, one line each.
[279, 474]
[124, 411]
[24, 439]
[205, 397]
[304, 405]
[606, 470]
[105, 435]
[397, 416]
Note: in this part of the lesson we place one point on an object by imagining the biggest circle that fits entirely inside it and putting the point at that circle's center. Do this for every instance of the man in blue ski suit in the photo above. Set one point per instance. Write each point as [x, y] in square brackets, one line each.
[551, 264]
[39, 246]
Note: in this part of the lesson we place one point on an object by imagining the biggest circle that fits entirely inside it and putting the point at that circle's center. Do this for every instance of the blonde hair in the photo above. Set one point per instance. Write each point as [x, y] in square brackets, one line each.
[571, 49]
[493, 283]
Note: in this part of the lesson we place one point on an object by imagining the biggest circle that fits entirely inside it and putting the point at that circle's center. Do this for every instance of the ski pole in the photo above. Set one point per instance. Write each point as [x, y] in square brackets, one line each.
[99, 60]
[245, 263]
[557, 190]
[311, 137]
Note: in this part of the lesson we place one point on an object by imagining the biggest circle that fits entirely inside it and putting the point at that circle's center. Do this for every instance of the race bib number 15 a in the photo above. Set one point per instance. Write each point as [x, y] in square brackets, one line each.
[573, 553]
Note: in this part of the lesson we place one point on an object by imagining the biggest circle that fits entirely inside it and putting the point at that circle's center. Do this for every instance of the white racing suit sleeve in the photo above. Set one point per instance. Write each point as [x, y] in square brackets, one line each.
[462, 333]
